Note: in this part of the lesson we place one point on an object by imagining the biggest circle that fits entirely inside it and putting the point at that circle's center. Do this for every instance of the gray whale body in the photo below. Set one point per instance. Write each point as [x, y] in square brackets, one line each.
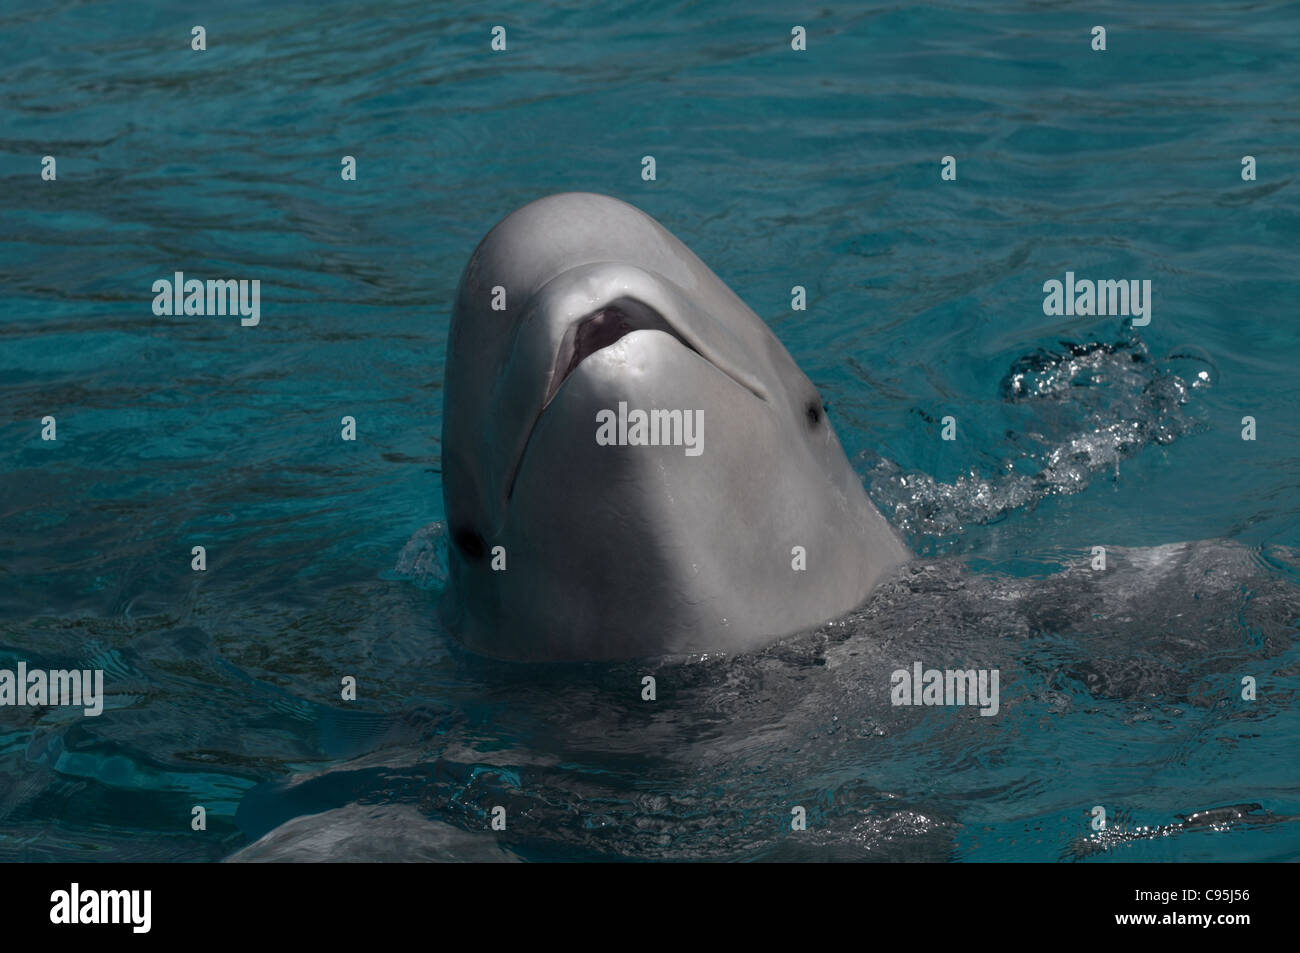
[565, 546]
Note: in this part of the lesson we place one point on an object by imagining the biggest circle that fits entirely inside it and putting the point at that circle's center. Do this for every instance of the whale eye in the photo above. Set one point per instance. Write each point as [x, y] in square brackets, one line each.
[469, 542]
[814, 413]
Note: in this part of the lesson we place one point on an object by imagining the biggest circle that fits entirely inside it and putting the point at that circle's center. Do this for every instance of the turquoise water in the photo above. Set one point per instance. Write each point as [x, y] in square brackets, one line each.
[818, 168]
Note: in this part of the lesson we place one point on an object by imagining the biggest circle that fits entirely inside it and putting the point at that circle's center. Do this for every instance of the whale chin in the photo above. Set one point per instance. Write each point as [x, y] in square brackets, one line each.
[648, 370]
[613, 333]
[683, 546]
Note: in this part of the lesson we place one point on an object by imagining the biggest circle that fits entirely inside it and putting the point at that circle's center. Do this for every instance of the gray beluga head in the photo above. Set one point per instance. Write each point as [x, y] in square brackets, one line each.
[632, 463]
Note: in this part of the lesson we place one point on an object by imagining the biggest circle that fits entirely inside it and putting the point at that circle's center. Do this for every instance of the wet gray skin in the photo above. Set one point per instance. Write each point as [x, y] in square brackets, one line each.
[628, 551]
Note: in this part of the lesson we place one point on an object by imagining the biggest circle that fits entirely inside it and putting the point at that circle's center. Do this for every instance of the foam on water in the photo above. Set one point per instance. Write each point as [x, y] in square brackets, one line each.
[1119, 400]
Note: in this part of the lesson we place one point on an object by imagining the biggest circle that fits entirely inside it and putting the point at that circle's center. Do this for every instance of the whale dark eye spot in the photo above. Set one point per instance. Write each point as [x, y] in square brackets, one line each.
[814, 413]
[469, 542]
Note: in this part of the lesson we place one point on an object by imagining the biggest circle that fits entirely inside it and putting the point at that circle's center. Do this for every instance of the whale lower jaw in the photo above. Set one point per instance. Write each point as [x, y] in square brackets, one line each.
[613, 335]
[682, 552]
[600, 329]
[656, 635]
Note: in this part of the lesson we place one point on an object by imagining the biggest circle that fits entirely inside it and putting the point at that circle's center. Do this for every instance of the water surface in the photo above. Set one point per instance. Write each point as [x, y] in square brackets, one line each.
[778, 169]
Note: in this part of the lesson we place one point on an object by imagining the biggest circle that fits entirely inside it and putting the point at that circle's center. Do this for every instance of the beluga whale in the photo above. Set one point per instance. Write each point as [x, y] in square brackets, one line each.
[632, 463]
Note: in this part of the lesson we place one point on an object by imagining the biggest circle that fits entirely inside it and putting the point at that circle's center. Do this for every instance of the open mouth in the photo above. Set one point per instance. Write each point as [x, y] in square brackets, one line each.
[599, 330]
[605, 326]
